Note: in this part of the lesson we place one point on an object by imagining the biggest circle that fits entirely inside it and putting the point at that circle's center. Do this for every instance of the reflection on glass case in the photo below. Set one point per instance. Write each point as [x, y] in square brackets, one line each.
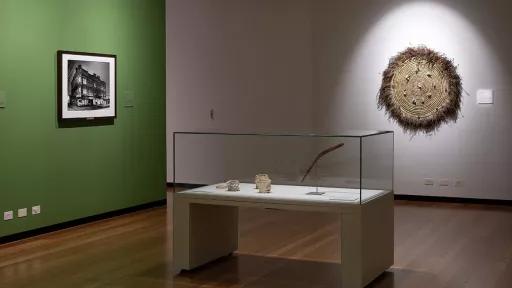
[352, 168]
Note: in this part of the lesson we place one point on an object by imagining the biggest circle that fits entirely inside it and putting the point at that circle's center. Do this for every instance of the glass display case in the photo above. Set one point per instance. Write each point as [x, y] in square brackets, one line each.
[352, 168]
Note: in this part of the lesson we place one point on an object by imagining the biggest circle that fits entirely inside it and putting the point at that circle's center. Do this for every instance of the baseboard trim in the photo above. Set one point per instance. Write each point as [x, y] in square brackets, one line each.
[81, 221]
[445, 199]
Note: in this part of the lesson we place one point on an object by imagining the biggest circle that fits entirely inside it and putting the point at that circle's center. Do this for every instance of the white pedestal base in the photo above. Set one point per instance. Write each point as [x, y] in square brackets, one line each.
[206, 229]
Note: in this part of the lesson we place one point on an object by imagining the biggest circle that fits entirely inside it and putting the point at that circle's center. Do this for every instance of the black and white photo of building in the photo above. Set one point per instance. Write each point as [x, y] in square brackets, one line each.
[88, 85]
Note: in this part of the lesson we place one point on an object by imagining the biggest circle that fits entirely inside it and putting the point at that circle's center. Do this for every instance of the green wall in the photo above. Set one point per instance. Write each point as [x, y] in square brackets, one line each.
[74, 171]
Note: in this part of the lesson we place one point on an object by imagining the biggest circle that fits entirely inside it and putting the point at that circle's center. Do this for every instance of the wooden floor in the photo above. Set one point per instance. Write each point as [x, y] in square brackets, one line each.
[437, 245]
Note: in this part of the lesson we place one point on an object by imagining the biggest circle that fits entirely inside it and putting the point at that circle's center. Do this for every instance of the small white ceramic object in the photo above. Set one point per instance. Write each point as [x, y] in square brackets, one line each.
[233, 185]
[265, 185]
[259, 178]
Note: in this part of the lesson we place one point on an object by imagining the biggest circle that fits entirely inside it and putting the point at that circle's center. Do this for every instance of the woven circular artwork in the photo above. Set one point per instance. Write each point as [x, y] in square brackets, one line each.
[421, 90]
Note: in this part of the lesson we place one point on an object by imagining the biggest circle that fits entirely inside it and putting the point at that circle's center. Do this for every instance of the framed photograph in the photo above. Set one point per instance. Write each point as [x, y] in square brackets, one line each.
[86, 85]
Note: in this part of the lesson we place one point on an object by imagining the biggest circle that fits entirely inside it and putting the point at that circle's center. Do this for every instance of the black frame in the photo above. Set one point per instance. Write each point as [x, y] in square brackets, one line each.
[60, 53]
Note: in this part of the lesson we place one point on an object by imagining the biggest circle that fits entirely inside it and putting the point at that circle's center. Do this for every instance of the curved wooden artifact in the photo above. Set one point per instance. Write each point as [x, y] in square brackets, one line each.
[320, 155]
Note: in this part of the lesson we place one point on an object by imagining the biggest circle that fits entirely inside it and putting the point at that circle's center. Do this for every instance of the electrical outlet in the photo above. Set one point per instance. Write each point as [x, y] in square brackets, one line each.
[444, 182]
[428, 181]
[8, 215]
[22, 212]
[36, 210]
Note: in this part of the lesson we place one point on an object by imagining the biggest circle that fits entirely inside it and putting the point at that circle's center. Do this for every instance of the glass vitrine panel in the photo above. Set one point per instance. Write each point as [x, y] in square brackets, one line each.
[352, 167]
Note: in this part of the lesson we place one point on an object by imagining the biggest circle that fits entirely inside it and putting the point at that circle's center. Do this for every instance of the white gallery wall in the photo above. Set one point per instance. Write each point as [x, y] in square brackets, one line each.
[316, 66]
[243, 58]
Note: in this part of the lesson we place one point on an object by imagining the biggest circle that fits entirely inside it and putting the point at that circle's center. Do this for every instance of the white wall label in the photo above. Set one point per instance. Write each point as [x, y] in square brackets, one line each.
[485, 96]
[129, 98]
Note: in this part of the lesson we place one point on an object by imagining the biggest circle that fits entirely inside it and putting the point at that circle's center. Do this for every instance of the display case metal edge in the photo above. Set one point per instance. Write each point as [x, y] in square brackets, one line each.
[373, 133]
